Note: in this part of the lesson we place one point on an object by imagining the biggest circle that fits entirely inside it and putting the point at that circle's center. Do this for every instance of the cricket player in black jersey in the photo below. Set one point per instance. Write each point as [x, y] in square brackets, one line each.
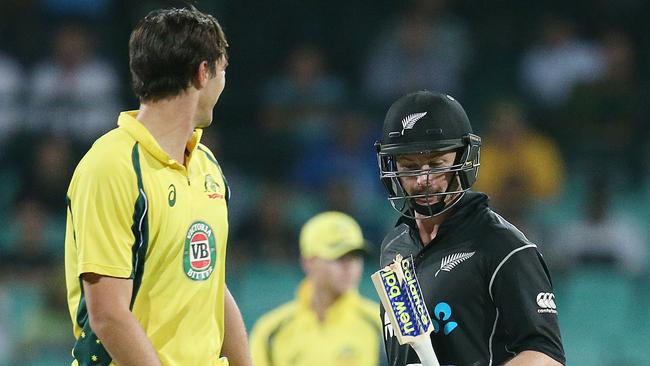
[485, 284]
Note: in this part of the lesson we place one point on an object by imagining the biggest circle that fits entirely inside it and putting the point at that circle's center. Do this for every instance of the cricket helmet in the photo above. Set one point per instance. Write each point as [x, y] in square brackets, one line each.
[421, 123]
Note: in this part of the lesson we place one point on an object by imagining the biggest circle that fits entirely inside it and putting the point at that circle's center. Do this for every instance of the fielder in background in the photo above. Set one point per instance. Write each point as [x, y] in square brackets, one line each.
[328, 323]
[485, 285]
[147, 215]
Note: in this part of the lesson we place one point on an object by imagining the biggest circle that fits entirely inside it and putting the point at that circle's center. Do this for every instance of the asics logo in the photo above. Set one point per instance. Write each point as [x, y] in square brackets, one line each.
[546, 303]
[171, 197]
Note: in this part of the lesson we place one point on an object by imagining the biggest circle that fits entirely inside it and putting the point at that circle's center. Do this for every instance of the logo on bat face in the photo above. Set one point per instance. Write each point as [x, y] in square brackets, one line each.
[200, 252]
[402, 299]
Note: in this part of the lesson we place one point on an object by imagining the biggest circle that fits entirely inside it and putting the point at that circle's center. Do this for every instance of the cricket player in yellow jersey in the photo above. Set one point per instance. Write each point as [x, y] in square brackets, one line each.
[328, 323]
[147, 213]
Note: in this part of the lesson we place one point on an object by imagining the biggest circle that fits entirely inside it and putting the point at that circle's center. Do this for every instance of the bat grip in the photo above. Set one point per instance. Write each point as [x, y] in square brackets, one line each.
[424, 349]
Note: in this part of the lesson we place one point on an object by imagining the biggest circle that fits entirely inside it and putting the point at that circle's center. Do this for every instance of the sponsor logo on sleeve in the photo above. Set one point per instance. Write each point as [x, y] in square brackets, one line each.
[546, 303]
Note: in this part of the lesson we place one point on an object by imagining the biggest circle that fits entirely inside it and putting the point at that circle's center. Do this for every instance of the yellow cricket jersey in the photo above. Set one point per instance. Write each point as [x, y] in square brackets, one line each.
[350, 334]
[133, 212]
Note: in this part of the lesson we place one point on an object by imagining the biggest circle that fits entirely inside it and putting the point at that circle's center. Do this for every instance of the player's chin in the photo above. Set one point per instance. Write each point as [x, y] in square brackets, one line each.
[343, 288]
[206, 122]
[427, 201]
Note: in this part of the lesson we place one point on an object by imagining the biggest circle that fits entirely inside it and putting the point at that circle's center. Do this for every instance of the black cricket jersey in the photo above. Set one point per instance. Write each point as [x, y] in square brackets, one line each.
[486, 287]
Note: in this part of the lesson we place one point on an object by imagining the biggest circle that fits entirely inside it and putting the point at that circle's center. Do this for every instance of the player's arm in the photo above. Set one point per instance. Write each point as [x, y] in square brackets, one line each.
[531, 325]
[532, 358]
[235, 342]
[108, 300]
[259, 341]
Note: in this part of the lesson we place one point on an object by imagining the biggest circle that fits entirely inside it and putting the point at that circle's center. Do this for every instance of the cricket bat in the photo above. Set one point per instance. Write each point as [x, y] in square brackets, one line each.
[401, 296]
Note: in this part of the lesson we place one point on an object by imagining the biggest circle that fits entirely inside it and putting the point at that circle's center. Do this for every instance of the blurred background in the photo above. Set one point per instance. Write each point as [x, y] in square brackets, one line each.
[558, 90]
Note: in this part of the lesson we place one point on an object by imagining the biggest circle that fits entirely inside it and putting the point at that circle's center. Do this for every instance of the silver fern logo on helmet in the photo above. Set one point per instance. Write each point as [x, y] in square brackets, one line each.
[409, 121]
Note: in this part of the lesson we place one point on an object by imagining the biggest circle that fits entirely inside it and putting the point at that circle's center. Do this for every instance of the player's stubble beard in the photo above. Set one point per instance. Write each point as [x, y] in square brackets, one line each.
[432, 210]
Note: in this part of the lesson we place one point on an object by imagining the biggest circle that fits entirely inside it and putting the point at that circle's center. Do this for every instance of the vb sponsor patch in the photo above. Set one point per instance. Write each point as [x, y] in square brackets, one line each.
[200, 251]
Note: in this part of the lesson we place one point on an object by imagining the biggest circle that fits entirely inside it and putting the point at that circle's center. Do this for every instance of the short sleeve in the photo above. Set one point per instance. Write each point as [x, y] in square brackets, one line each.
[259, 341]
[102, 205]
[521, 289]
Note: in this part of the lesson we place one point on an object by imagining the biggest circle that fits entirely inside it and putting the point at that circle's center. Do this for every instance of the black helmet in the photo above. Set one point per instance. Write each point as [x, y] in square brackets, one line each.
[420, 123]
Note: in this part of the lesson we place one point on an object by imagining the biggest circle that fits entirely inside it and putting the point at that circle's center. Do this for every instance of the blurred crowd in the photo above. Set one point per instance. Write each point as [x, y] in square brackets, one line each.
[559, 92]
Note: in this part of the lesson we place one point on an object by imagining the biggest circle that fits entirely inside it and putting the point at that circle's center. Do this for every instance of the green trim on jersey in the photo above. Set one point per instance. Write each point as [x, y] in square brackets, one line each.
[274, 333]
[140, 227]
[88, 344]
[69, 207]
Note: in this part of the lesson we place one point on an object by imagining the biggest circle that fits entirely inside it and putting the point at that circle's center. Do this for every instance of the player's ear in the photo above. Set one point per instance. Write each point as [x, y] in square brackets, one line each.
[202, 75]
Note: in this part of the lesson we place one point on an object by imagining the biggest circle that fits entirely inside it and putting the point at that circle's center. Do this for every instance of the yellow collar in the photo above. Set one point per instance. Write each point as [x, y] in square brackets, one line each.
[127, 120]
[344, 302]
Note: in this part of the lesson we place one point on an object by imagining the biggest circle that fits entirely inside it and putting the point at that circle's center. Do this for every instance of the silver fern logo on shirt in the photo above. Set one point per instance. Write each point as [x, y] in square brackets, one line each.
[409, 121]
[451, 261]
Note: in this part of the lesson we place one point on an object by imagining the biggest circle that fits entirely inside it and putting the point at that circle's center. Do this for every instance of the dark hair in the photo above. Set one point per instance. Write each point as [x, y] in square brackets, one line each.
[166, 48]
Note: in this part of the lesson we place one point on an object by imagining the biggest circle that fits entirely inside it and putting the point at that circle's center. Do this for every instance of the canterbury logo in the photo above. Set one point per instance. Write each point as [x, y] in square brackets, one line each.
[449, 262]
[546, 302]
[409, 121]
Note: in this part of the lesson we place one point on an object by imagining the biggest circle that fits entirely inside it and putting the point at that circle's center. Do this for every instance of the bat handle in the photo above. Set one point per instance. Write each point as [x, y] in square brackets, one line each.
[424, 349]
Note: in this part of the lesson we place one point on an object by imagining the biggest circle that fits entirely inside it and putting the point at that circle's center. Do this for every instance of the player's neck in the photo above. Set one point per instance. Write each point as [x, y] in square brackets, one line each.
[428, 227]
[171, 123]
[321, 301]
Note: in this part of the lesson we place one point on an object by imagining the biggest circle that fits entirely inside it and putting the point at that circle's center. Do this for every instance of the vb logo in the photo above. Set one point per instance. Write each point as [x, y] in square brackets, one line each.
[200, 252]
[442, 313]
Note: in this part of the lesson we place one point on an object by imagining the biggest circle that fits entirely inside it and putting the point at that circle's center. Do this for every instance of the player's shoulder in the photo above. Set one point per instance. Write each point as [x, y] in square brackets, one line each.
[369, 306]
[275, 319]
[501, 236]
[110, 150]
[205, 153]
[369, 309]
[206, 150]
[398, 241]
[400, 229]
[208, 158]
[398, 235]
[109, 158]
